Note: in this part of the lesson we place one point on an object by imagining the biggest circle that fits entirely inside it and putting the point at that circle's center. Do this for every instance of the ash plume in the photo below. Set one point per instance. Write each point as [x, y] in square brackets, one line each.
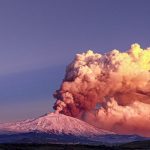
[110, 91]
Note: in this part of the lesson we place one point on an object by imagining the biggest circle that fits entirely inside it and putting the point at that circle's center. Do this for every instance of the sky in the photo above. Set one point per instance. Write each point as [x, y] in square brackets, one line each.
[39, 38]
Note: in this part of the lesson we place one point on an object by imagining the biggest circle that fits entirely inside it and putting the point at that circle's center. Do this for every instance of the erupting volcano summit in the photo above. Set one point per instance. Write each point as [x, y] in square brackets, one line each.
[110, 91]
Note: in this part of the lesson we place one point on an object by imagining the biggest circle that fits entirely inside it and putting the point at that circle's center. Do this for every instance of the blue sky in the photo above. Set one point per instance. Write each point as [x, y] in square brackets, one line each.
[38, 38]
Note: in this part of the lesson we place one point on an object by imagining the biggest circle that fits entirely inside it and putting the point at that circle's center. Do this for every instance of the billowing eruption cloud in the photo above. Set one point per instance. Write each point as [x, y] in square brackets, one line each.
[110, 91]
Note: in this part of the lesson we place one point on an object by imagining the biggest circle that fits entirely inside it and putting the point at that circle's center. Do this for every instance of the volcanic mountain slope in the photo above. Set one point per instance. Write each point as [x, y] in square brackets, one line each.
[58, 128]
[53, 123]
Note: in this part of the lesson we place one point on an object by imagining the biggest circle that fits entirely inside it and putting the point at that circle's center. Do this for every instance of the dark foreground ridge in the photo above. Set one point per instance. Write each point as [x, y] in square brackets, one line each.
[137, 145]
[45, 138]
[52, 147]
[141, 145]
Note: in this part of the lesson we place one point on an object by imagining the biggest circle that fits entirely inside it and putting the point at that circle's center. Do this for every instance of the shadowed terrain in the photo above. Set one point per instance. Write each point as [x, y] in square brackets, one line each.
[142, 145]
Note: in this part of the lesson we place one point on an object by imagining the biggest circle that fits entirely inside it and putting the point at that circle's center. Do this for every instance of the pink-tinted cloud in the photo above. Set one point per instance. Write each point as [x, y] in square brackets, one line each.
[118, 82]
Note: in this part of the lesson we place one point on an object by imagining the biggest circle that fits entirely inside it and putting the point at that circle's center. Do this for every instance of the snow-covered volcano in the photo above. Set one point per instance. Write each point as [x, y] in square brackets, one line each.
[53, 123]
[58, 128]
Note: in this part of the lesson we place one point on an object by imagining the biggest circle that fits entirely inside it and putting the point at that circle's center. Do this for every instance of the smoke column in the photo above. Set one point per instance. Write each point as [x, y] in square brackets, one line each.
[110, 91]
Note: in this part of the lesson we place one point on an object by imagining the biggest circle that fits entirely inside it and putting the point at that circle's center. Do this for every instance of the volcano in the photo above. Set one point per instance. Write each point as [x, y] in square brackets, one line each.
[58, 128]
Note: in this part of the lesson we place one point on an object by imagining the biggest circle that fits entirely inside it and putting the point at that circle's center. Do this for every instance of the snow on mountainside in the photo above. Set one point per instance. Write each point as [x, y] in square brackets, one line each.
[53, 123]
[59, 128]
